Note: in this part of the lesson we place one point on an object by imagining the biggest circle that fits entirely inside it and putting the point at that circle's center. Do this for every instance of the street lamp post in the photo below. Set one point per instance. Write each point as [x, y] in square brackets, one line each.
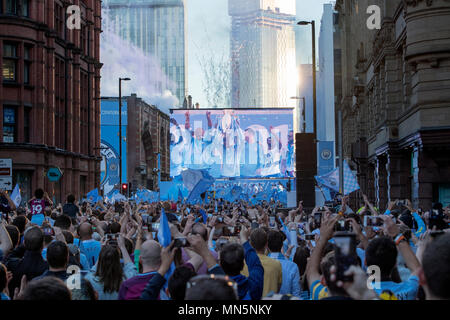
[120, 131]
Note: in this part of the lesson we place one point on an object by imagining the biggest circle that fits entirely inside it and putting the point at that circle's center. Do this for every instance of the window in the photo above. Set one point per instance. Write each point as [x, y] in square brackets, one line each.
[9, 62]
[59, 20]
[17, 7]
[60, 97]
[83, 45]
[25, 11]
[9, 124]
[84, 119]
[26, 64]
[11, 7]
[26, 124]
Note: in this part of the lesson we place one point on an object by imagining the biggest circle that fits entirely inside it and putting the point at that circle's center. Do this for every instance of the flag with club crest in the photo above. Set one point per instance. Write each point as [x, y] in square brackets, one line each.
[15, 196]
[234, 194]
[93, 196]
[330, 180]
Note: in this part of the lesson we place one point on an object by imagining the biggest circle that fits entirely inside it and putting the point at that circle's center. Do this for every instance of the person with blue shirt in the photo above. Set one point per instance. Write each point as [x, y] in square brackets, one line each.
[382, 252]
[88, 246]
[290, 273]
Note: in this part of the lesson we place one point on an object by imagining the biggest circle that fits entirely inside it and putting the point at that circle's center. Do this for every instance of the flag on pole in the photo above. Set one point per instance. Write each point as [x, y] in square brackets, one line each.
[330, 180]
[93, 196]
[350, 181]
[234, 193]
[203, 181]
[180, 195]
[164, 236]
[165, 239]
[205, 217]
[15, 196]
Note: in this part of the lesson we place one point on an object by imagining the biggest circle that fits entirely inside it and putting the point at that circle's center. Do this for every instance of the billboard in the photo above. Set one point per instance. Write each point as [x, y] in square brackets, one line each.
[233, 142]
[109, 129]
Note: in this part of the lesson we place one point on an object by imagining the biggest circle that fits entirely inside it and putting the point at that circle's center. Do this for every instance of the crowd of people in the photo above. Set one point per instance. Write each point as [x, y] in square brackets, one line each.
[222, 251]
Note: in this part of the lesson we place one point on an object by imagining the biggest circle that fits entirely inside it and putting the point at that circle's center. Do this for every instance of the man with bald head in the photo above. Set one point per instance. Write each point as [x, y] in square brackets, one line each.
[150, 259]
[89, 247]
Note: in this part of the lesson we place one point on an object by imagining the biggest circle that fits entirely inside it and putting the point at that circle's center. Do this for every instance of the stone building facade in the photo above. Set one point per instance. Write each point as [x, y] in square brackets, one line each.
[148, 133]
[395, 98]
[49, 95]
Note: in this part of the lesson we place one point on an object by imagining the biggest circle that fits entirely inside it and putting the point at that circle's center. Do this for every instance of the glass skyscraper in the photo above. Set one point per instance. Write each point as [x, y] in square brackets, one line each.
[263, 53]
[158, 28]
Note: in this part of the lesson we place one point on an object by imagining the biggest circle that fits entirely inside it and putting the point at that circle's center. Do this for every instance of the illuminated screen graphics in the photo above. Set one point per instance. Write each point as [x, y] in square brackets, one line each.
[233, 142]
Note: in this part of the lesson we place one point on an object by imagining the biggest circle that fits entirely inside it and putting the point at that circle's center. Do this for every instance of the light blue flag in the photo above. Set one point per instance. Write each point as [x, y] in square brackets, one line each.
[331, 180]
[350, 181]
[15, 196]
[205, 217]
[326, 193]
[180, 195]
[284, 228]
[93, 196]
[201, 186]
[234, 194]
[164, 236]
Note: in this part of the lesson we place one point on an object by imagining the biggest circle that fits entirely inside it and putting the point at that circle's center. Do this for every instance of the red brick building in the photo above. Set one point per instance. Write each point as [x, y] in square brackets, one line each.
[49, 95]
[148, 133]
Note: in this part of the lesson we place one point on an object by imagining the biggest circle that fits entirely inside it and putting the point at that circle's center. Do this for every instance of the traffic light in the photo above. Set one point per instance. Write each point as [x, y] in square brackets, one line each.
[125, 189]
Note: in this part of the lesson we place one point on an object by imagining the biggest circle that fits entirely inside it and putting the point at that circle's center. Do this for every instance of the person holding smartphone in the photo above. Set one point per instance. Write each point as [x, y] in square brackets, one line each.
[318, 268]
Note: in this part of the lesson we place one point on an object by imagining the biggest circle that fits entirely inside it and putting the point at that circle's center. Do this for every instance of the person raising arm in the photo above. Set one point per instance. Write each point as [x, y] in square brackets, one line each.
[313, 275]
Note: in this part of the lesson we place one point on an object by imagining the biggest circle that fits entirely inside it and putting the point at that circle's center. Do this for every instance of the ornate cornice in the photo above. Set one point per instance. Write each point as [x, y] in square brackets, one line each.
[383, 38]
[415, 3]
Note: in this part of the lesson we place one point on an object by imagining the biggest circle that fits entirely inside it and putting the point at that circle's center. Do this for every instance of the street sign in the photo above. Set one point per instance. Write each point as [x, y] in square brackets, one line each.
[6, 174]
[54, 174]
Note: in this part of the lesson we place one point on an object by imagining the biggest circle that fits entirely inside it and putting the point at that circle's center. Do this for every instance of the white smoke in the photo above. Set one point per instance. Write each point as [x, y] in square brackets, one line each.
[122, 59]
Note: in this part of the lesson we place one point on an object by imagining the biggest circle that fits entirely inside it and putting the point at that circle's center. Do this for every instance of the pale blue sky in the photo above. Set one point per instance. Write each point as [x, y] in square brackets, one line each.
[208, 33]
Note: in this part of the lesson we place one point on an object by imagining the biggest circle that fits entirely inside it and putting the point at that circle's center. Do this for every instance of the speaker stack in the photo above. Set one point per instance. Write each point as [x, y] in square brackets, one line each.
[306, 168]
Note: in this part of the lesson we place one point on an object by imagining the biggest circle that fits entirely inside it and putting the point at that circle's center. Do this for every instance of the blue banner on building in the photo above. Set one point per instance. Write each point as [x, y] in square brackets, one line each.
[110, 143]
[326, 157]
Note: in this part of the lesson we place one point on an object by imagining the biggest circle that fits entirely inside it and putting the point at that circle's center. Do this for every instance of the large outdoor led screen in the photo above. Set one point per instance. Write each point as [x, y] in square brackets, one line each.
[233, 142]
